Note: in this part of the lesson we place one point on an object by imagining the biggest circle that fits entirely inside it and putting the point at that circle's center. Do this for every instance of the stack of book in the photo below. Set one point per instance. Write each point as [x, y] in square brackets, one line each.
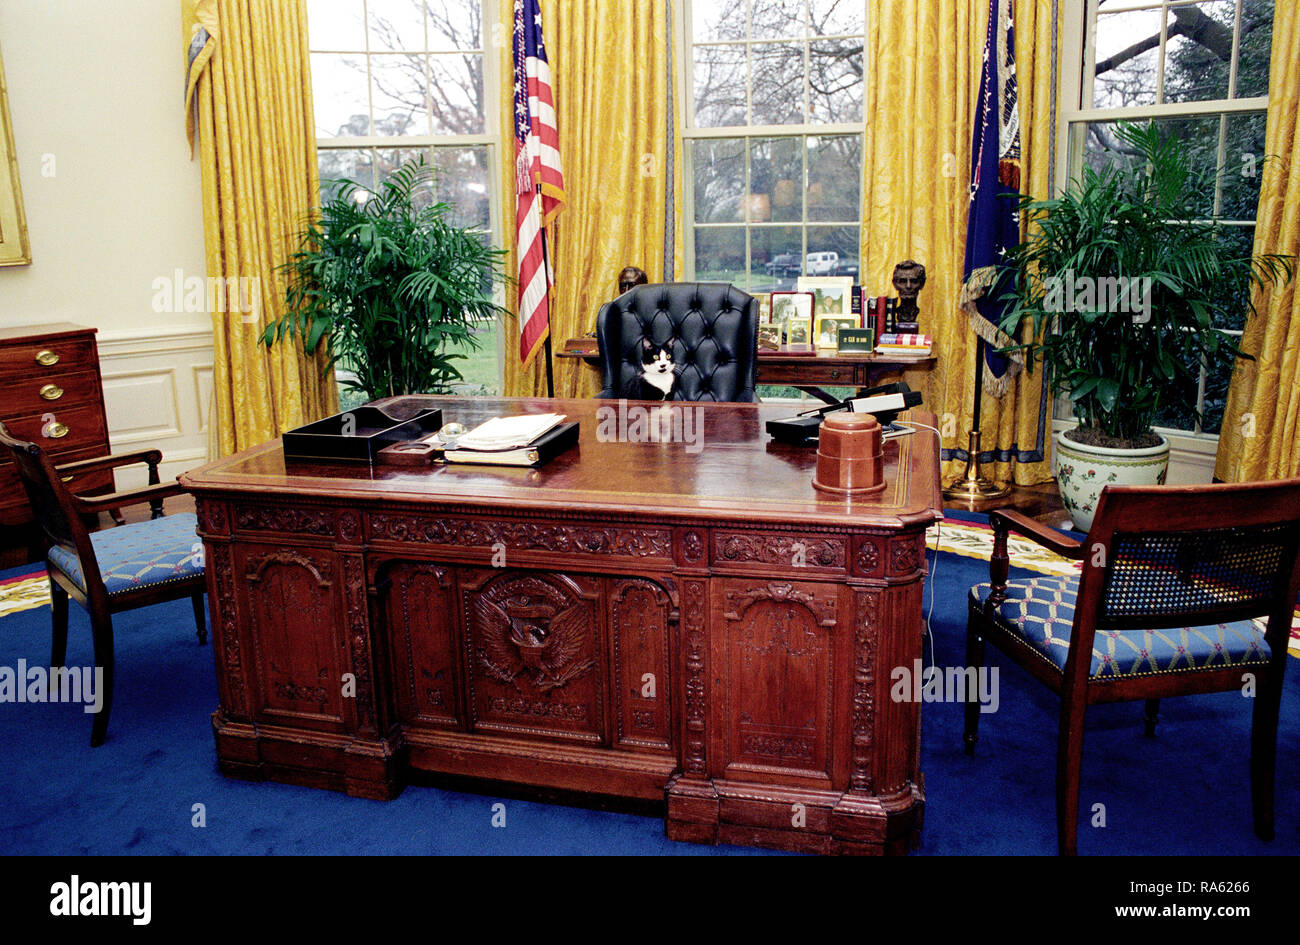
[904, 346]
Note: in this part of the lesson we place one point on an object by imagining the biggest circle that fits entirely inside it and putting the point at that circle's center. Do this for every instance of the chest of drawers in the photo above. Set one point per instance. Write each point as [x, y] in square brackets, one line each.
[51, 394]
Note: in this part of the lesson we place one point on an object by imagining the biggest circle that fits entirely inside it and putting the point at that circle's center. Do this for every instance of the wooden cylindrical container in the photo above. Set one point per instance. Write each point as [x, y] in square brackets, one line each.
[850, 455]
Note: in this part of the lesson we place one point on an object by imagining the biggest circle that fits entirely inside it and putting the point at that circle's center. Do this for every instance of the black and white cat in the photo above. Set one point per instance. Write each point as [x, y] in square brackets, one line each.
[657, 377]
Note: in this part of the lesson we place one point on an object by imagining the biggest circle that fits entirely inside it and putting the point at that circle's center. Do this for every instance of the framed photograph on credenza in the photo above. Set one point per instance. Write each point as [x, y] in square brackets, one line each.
[832, 295]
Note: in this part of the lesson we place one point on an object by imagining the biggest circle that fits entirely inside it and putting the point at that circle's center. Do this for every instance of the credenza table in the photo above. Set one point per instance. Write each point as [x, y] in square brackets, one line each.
[676, 617]
[807, 371]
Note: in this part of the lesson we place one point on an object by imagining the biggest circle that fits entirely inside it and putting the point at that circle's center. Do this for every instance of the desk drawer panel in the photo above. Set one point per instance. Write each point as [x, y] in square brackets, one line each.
[55, 355]
[419, 611]
[808, 371]
[62, 430]
[49, 392]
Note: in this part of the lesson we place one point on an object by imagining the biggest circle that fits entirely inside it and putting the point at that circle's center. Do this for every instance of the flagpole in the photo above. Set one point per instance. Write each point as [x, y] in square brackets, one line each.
[973, 485]
[546, 263]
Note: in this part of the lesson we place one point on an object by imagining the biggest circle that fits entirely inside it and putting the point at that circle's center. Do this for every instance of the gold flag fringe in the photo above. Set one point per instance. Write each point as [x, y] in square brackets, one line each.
[974, 288]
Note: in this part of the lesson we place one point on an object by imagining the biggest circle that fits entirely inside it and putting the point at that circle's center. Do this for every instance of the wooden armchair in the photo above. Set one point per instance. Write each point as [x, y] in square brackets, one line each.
[113, 570]
[1172, 579]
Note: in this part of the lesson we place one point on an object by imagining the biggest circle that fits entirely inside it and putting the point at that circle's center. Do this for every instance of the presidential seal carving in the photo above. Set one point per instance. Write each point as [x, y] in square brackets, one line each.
[529, 636]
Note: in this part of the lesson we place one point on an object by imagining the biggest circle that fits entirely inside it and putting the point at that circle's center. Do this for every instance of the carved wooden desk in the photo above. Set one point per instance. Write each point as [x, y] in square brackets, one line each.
[633, 619]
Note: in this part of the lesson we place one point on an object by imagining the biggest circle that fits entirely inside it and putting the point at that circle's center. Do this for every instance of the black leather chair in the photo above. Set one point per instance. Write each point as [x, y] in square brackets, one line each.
[712, 328]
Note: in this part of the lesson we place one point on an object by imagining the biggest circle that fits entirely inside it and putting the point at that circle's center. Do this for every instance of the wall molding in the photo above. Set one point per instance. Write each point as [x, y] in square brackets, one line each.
[164, 376]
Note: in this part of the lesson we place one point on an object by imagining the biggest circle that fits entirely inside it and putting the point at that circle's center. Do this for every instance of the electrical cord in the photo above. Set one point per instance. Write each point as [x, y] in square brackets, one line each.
[938, 537]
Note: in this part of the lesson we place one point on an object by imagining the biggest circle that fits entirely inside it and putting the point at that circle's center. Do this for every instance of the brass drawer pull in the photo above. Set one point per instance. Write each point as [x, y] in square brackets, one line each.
[67, 478]
[46, 357]
[51, 391]
[55, 431]
[835, 374]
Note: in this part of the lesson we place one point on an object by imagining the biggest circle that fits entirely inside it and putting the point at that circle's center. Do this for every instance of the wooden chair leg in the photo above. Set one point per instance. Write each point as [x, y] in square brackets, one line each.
[59, 621]
[975, 658]
[200, 613]
[102, 634]
[1263, 750]
[1151, 716]
[1069, 757]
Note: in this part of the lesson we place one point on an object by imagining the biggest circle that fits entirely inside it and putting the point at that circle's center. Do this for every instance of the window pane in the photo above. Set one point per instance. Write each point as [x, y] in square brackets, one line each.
[775, 165]
[720, 254]
[397, 90]
[1243, 163]
[456, 86]
[354, 164]
[775, 258]
[834, 177]
[717, 19]
[1254, 48]
[388, 160]
[777, 19]
[1174, 411]
[453, 24]
[835, 81]
[396, 25]
[338, 91]
[719, 86]
[1128, 50]
[1198, 54]
[1234, 303]
[336, 25]
[778, 74]
[462, 181]
[1200, 137]
[833, 17]
[719, 179]
[840, 240]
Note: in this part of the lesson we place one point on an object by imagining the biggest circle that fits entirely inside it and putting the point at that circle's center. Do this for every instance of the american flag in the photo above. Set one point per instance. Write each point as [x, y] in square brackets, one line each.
[539, 183]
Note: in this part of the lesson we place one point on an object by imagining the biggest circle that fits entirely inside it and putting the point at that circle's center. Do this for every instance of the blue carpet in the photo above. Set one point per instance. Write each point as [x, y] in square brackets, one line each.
[1186, 792]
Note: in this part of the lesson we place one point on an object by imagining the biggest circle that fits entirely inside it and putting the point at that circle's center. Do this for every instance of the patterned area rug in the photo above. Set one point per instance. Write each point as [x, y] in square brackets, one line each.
[972, 537]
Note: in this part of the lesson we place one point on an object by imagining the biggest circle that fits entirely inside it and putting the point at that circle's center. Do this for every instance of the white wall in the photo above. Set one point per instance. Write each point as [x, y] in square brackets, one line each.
[113, 203]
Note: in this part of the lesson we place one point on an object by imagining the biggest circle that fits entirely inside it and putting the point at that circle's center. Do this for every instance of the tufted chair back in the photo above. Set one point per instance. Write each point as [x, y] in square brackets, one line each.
[712, 328]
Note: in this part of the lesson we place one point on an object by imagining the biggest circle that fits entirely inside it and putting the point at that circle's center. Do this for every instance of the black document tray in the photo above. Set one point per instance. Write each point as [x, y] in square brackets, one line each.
[371, 430]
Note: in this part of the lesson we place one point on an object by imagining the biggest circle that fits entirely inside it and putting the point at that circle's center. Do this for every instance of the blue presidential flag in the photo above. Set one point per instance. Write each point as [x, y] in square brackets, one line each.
[993, 228]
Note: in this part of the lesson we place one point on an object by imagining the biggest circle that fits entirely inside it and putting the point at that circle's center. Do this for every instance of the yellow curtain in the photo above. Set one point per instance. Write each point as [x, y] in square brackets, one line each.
[249, 85]
[923, 73]
[609, 68]
[1261, 422]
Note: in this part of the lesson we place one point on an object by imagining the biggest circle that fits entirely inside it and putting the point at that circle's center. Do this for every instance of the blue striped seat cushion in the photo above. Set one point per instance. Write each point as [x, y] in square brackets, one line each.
[142, 554]
[1040, 611]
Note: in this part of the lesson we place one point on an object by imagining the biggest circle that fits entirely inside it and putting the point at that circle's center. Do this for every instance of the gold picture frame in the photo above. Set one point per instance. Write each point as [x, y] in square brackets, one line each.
[14, 249]
[828, 329]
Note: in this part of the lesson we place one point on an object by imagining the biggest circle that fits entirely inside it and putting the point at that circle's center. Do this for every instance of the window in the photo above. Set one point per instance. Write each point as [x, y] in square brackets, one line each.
[392, 79]
[773, 138]
[1198, 69]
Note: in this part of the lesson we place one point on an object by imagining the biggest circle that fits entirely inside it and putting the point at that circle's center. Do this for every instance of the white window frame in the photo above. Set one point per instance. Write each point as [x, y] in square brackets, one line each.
[1193, 449]
[492, 141]
[684, 59]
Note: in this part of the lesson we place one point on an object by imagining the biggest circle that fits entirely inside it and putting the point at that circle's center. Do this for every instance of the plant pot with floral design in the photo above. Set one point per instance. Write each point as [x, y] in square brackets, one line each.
[1084, 469]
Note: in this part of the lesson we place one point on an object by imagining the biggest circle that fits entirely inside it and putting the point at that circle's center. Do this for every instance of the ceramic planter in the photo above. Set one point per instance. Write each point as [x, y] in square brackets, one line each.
[1083, 471]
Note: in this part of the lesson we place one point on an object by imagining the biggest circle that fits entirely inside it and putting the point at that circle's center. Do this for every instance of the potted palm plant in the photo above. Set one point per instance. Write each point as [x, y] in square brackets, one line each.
[390, 285]
[1125, 284]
